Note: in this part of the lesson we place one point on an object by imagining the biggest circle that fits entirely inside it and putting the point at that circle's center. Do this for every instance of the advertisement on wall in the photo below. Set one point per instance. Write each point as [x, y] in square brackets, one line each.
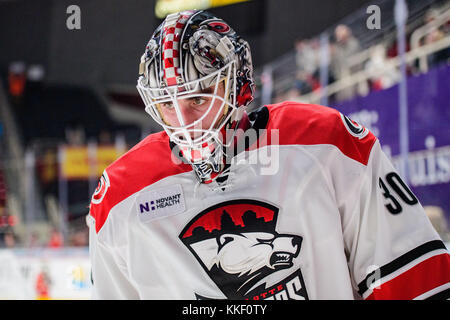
[45, 274]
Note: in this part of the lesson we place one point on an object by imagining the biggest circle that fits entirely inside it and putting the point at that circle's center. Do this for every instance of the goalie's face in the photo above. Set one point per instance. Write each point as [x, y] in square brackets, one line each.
[193, 113]
[205, 108]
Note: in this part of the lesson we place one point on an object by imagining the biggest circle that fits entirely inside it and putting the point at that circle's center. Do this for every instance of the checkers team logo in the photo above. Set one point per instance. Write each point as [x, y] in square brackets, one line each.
[101, 189]
[237, 244]
[354, 128]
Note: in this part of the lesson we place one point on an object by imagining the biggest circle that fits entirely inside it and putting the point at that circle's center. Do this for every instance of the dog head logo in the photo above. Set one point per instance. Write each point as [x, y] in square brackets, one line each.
[237, 245]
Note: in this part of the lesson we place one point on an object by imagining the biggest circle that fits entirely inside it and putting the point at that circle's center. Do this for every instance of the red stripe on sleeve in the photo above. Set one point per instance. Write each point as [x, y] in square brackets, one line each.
[421, 278]
[307, 124]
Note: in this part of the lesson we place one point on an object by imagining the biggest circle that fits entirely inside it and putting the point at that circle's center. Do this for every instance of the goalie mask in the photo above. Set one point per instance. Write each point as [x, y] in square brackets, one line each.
[195, 79]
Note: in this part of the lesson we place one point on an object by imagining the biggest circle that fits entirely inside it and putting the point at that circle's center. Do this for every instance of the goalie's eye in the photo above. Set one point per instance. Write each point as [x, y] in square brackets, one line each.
[198, 101]
[167, 105]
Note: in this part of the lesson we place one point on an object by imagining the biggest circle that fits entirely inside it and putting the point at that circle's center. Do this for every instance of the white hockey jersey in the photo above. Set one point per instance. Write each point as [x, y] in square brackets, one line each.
[312, 210]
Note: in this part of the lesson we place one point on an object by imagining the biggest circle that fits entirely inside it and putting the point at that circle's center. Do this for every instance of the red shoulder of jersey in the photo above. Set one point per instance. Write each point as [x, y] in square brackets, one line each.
[146, 163]
[307, 124]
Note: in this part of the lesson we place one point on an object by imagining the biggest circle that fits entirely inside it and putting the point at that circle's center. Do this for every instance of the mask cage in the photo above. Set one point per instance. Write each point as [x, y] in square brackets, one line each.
[192, 134]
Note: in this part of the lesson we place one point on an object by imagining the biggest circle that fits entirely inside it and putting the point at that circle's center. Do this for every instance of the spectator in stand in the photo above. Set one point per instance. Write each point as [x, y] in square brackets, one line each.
[43, 284]
[80, 238]
[437, 33]
[33, 240]
[342, 49]
[306, 55]
[104, 137]
[75, 134]
[306, 58]
[382, 74]
[16, 79]
[16, 83]
[9, 239]
[56, 239]
[440, 56]
[35, 77]
[431, 16]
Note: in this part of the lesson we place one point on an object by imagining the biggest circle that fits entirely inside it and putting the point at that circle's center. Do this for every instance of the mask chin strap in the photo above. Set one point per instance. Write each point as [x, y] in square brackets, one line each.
[209, 164]
[207, 161]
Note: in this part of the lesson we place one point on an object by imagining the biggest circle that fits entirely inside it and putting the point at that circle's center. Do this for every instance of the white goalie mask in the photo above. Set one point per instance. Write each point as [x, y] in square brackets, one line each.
[195, 79]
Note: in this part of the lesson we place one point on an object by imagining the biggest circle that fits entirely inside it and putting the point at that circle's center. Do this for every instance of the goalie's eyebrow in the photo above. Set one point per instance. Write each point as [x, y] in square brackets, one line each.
[209, 90]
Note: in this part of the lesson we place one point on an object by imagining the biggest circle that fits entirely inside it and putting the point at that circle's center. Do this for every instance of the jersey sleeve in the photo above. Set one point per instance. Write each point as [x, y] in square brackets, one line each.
[109, 271]
[392, 249]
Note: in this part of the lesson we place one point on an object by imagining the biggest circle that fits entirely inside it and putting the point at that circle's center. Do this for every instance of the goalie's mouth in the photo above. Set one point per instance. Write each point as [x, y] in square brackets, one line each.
[281, 259]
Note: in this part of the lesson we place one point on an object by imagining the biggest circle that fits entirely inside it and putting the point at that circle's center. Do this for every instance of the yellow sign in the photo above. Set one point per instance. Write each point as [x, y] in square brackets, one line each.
[76, 162]
[165, 7]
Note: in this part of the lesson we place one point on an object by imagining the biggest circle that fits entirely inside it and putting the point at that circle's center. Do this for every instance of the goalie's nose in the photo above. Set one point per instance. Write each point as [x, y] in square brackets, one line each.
[188, 113]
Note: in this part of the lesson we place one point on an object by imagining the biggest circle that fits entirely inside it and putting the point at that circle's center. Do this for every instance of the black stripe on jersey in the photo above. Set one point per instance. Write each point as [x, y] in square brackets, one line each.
[400, 262]
[443, 295]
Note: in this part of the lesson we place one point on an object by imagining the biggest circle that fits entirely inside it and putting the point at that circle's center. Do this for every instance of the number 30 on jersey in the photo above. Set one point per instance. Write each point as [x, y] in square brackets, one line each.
[396, 193]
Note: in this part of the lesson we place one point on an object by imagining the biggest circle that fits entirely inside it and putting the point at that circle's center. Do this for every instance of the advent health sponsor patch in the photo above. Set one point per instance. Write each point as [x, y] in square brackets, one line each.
[160, 203]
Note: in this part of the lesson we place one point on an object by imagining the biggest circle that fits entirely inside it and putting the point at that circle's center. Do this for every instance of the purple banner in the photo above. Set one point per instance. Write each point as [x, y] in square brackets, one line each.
[429, 131]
